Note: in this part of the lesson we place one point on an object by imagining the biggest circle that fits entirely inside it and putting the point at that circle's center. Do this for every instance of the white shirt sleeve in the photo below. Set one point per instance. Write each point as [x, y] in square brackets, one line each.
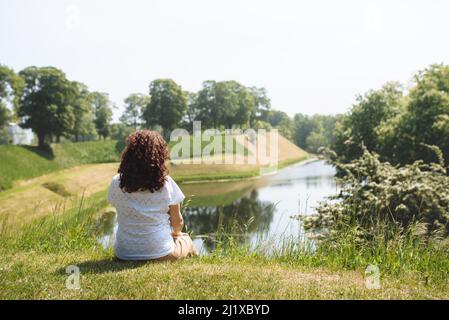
[115, 193]
[175, 193]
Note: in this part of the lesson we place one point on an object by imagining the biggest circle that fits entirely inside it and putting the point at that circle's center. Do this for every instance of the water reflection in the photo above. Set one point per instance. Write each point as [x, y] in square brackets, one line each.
[242, 218]
[106, 228]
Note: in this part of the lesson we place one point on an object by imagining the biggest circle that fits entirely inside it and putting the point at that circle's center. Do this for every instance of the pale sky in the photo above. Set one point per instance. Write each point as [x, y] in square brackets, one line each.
[311, 56]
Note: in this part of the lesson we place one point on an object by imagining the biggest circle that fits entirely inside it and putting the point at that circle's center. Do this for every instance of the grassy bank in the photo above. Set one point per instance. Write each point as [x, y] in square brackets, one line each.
[25, 162]
[31, 275]
[34, 260]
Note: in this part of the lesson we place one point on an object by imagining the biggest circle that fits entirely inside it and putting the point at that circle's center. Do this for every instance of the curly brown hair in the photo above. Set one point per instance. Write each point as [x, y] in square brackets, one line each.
[143, 165]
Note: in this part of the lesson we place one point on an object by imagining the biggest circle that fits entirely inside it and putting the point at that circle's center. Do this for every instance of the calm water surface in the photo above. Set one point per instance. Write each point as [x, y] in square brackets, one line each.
[254, 211]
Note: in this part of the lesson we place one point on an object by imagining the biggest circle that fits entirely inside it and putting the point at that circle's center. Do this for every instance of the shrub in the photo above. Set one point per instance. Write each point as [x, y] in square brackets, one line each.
[380, 199]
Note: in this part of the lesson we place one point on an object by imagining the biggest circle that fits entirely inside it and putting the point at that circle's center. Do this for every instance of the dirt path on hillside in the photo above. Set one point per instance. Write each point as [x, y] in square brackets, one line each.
[30, 199]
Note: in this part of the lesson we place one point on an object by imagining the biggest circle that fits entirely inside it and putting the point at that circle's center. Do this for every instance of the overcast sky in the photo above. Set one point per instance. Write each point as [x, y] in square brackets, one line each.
[312, 57]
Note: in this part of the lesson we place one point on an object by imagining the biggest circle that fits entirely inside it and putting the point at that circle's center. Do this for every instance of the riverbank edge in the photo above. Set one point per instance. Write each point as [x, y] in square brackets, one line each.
[246, 175]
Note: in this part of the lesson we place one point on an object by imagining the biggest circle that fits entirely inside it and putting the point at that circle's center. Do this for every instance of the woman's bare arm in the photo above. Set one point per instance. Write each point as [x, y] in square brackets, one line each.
[176, 220]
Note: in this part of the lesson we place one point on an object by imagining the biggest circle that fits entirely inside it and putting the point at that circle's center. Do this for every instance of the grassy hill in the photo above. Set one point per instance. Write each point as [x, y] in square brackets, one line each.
[25, 162]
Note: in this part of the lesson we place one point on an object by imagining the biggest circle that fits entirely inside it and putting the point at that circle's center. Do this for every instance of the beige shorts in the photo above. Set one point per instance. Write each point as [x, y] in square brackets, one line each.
[184, 248]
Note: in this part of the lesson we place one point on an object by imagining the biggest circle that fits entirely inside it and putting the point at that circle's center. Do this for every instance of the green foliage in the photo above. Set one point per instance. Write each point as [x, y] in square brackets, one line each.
[5, 137]
[398, 127]
[5, 116]
[281, 121]
[276, 117]
[314, 132]
[315, 141]
[383, 200]
[134, 105]
[393, 217]
[45, 105]
[102, 113]
[11, 86]
[44, 100]
[84, 127]
[259, 124]
[423, 121]
[362, 125]
[262, 105]
[167, 105]
[119, 132]
[228, 104]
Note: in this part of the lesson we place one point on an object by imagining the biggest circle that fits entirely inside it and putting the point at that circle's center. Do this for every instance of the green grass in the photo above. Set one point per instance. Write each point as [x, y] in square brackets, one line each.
[70, 228]
[34, 260]
[222, 172]
[219, 199]
[57, 188]
[232, 150]
[209, 176]
[25, 162]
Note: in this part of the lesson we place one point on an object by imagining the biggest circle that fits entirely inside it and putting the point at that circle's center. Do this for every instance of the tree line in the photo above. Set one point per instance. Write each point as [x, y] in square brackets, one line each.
[55, 107]
[401, 126]
[44, 100]
[218, 104]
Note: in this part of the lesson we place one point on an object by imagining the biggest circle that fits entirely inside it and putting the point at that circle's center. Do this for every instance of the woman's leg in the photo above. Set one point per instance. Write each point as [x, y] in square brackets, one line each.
[184, 248]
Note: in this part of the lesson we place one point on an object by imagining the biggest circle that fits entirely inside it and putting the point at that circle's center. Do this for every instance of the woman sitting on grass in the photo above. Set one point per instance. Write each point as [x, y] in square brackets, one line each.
[148, 203]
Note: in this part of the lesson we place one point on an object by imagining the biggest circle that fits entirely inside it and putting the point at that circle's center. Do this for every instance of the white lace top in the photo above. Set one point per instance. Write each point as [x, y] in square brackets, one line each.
[144, 230]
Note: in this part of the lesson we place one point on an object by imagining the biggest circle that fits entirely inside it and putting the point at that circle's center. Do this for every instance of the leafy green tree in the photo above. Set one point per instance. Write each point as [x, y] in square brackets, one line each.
[303, 126]
[315, 140]
[262, 105]
[234, 102]
[167, 106]
[259, 124]
[404, 137]
[11, 86]
[45, 104]
[135, 104]
[5, 115]
[102, 107]
[224, 103]
[205, 108]
[276, 117]
[441, 127]
[282, 122]
[119, 132]
[427, 108]
[192, 111]
[82, 108]
[362, 124]
[316, 131]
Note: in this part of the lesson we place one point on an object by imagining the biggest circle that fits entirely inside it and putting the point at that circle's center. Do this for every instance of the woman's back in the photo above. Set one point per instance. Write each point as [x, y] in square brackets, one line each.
[144, 230]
